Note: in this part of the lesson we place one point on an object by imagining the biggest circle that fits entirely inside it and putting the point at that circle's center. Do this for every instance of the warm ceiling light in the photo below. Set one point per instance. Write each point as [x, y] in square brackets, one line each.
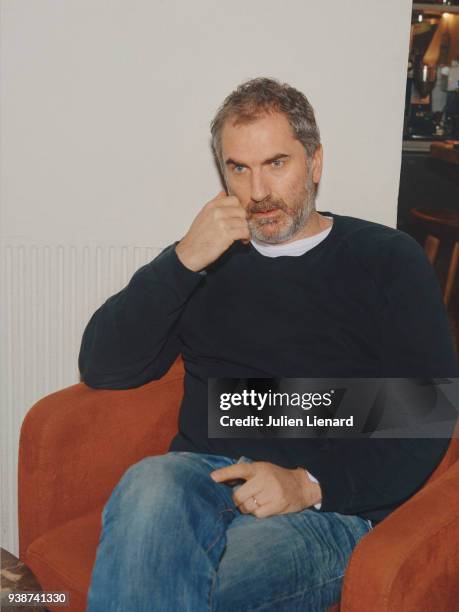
[420, 18]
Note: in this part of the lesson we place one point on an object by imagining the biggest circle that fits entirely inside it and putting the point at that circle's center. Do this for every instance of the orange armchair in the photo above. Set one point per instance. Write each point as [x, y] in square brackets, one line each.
[76, 444]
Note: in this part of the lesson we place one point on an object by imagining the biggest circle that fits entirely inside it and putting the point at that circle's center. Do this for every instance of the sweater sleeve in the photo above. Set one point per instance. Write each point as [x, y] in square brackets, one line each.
[133, 337]
[371, 477]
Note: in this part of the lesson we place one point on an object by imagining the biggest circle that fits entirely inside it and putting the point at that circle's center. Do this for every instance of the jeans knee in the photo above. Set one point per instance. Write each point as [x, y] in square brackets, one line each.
[152, 483]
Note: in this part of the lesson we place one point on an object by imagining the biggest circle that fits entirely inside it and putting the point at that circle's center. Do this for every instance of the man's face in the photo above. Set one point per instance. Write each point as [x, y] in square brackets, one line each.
[266, 168]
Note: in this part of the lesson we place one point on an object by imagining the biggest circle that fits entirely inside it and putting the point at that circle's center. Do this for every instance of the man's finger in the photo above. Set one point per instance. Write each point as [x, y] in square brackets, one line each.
[231, 212]
[218, 199]
[229, 200]
[232, 472]
[247, 492]
[265, 511]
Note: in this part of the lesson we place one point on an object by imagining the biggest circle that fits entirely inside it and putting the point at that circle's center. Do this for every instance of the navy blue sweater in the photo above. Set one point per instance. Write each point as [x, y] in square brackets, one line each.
[365, 302]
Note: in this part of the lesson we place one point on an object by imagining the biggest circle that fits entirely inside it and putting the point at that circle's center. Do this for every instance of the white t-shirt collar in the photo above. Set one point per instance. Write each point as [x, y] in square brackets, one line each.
[295, 248]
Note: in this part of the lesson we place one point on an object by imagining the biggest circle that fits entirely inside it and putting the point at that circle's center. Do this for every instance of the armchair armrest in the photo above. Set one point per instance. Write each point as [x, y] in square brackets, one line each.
[76, 444]
[410, 561]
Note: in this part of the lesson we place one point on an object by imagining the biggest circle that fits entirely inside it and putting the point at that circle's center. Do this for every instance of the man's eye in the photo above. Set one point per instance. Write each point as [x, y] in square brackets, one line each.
[277, 163]
[239, 169]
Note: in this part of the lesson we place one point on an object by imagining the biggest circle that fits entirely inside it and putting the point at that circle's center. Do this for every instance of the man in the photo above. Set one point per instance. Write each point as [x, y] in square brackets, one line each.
[262, 285]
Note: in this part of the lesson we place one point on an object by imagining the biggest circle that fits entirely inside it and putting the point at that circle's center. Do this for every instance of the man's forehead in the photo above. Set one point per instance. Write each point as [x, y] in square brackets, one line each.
[264, 133]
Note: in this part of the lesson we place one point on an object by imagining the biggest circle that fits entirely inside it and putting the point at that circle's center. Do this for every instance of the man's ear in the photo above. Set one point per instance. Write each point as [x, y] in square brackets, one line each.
[317, 161]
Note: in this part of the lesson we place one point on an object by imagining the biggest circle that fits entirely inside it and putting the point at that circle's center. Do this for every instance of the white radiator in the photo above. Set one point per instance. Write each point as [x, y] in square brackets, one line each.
[48, 293]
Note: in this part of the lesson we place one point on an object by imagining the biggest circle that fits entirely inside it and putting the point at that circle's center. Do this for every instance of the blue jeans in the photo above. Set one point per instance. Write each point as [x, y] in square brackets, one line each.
[173, 541]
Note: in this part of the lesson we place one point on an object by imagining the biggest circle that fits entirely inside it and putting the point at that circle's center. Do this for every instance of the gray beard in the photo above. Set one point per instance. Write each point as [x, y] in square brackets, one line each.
[297, 222]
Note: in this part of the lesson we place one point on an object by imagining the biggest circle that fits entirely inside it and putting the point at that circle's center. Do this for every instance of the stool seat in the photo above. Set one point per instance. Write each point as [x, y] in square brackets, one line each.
[443, 220]
[441, 226]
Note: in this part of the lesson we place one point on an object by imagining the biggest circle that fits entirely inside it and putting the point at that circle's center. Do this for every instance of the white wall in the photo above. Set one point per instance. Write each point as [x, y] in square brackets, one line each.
[105, 141]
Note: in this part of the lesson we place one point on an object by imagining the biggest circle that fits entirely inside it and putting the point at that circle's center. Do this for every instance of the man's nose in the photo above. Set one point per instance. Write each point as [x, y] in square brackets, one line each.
[259, 189]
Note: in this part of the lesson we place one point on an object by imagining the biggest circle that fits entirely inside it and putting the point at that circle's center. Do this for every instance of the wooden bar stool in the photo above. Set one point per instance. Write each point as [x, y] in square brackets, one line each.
[441, 226]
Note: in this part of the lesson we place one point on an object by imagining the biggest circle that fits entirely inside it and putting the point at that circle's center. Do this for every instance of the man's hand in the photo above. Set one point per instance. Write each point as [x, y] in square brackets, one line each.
[277, 490]
[219, 223]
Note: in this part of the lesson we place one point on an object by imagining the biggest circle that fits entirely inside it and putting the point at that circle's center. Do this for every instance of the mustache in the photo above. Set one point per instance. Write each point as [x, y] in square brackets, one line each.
[265, 205]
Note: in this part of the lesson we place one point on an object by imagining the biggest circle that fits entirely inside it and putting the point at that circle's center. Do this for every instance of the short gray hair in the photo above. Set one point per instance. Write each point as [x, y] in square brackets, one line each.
[264, 95]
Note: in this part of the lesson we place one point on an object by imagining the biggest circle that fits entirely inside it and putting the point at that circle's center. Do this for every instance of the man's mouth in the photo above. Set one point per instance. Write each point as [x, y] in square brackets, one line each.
[267, 213]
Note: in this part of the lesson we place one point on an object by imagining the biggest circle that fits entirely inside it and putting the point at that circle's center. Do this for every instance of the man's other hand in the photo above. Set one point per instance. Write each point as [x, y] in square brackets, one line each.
[277, 490]
[219, 223]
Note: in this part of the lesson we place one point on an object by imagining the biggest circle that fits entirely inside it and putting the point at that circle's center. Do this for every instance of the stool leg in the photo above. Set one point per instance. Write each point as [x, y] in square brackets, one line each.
[431, 248]
[452, 271]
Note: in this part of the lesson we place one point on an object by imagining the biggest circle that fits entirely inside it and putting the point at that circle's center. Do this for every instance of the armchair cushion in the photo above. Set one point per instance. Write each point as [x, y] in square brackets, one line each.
[58, 568]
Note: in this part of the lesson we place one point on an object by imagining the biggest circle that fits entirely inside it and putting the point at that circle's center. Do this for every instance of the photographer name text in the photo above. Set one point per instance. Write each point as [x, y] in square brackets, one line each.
[283, 421]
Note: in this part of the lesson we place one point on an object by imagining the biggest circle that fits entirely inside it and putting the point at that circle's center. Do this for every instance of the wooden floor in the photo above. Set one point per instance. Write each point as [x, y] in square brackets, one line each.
[16, 578]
